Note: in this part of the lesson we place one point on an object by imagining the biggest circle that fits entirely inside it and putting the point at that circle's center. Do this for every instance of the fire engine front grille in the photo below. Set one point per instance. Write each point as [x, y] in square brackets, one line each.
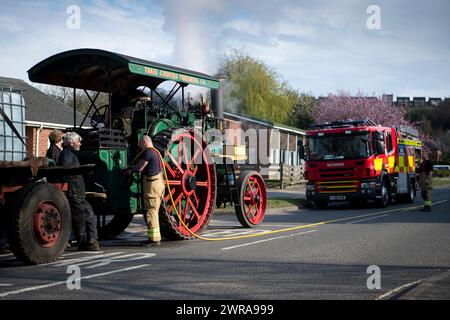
[337, 173]
[337, 170]
[337, 186]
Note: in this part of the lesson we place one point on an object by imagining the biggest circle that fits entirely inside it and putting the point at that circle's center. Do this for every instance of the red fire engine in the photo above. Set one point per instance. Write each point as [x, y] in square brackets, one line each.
[358, 161]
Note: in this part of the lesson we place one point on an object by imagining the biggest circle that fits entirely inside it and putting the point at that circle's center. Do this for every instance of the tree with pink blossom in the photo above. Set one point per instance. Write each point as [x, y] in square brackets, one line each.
[343, 106]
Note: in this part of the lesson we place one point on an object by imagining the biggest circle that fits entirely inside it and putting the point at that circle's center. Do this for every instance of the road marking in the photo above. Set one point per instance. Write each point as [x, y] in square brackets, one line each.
[54, 284]
[81, 260]
[426, 284]
[270, 239]
[399, 289]
[309, 226]
[5, 285]
[81, 252]
[384, 215]
[122, 258]
[234, 232]
[417, 207]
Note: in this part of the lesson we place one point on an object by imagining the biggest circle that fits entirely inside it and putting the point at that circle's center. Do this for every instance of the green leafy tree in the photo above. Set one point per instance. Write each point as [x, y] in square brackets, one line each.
[253, 88]
[304, 105]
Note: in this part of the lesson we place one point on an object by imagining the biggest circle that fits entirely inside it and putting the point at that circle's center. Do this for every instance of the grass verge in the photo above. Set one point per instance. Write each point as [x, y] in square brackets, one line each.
[441, 182]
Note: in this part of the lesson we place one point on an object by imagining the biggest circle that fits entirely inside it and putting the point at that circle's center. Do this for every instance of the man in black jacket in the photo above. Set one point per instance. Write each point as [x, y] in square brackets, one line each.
[83, 219]
[54, 151]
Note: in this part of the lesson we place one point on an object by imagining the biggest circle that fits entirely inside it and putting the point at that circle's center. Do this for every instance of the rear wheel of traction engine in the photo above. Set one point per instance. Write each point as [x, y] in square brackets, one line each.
[109, 225]
[253, 199]
[191, 173]
[40, 224]
[113, 226]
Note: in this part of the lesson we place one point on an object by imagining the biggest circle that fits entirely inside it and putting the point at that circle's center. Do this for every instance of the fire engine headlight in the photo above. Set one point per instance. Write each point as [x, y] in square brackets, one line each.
[310, 187]
[368, 185]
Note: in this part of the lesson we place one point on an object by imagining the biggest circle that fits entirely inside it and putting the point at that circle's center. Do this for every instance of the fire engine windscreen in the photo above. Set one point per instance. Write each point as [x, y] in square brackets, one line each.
[354, 145]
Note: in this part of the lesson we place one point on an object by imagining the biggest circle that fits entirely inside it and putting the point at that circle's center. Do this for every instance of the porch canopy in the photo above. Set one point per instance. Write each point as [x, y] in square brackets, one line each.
[96, 70]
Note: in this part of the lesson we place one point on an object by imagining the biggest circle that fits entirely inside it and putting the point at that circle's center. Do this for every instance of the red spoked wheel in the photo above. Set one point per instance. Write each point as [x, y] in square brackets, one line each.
[253, 199]
[47, 224]
[191, 177]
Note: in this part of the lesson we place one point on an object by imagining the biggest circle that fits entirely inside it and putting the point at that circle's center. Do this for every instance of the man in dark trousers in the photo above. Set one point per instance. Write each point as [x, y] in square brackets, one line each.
[56, 140]
[83, 219]
[426, 182]
[152, 188]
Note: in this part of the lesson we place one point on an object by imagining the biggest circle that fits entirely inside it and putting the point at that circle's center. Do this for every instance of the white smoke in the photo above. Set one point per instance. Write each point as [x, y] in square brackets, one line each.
[194, 44]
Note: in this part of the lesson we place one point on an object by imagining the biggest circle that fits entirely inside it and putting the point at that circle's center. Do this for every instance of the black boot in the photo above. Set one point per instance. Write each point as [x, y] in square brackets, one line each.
[150, 243]
[91, 245]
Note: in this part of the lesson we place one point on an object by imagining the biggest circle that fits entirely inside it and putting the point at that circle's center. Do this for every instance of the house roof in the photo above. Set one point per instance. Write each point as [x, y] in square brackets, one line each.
[40, 107]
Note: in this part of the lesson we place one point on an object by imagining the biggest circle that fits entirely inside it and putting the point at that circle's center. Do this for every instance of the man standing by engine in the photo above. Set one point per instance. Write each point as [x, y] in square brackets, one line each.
[83, 219]
[152, 188]
[426, 182]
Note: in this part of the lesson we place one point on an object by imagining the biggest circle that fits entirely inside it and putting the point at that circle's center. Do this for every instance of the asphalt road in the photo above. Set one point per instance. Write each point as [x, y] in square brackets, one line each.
[319, 261]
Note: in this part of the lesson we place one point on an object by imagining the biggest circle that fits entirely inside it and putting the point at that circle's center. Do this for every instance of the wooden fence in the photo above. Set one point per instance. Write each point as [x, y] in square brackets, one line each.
[277, 176]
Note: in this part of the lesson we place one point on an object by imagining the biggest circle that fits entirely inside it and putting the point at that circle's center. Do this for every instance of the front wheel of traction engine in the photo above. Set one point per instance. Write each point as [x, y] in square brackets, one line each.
[191, 174]
[253, 199]
[40, 224]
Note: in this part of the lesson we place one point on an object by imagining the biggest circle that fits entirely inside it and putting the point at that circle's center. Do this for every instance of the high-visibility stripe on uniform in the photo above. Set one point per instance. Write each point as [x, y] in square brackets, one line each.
[154, 234]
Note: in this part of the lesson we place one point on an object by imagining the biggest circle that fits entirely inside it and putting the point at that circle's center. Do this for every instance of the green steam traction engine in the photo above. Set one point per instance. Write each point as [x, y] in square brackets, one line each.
[200, 168]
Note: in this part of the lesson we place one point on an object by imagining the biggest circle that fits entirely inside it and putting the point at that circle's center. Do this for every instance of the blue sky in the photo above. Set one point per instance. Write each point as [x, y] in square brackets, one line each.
[316, 46]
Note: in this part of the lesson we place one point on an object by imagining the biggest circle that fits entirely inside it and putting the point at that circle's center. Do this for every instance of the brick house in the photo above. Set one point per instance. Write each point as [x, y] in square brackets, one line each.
[43, 114]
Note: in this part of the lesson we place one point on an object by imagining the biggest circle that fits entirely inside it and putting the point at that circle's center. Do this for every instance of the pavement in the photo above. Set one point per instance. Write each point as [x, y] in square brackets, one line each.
[319, 254]
[294, 192]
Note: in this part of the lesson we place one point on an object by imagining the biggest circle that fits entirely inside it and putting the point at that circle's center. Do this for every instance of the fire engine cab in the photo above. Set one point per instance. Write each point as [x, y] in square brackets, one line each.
[360, 161]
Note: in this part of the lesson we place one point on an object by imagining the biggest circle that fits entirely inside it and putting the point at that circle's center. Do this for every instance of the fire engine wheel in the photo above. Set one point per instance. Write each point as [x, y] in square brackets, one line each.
[411, 195]
[321, 204]
[384, 200]
[191, 176]
[253, 199]
[40, 224]
[110, 227]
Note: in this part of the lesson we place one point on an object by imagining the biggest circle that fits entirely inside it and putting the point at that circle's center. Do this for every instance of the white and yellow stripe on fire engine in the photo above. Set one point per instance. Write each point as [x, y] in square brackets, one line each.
[409, 142]
[406, 163]
[387, 163]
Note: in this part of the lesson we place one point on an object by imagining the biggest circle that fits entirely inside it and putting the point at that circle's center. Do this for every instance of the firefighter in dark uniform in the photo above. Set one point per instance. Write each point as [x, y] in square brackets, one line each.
[152, 188]
[426, 182]
[83, 219]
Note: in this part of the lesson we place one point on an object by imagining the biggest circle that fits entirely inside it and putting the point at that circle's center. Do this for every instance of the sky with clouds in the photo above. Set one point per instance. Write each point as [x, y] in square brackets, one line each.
[316, 46]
